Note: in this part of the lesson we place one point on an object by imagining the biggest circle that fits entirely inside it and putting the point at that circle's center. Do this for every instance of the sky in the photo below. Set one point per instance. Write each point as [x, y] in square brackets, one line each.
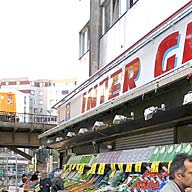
[40, 38]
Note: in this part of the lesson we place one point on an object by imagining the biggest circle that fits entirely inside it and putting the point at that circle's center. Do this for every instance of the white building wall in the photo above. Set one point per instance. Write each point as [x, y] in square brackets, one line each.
[83, 18]
[84, 69]
[136, 23]
[83, 11]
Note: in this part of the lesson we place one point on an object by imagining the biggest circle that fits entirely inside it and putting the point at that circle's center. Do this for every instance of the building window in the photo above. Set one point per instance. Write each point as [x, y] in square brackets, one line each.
[32, 92]
[9, 100]
[106, 15]
[35, 110]
[41, 84]
[84, 40]
[131, 3]
[112, 10]
[40, 102]
[40, 110]
[25, 100]
[32, 83]
[40, 93]
[64, 92]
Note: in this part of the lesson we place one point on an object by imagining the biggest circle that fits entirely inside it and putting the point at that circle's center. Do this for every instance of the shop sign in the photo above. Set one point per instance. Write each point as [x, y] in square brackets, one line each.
[167, 52]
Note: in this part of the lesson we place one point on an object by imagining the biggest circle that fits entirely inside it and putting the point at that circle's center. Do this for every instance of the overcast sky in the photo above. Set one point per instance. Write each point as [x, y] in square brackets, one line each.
[39, 38]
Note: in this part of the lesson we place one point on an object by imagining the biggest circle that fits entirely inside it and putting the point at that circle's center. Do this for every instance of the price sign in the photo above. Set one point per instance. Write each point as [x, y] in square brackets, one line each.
[129, 167]
[73, 167]
[155, 167]
[169, 165]
[93, 169]
[113, 168]
[78, 166]
[101, 169]
[120, 166]
[138, 167]
[81, 168]
[112, 174]
[70, 167]
[64, 167]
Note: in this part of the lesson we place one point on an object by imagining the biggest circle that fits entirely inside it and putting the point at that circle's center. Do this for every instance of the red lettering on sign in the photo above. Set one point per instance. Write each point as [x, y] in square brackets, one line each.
[116, 84]
[131, 74]
[187, 54]
[169, 42]
[103, 87]
[112, 83]
[92, 98]
[83, 102]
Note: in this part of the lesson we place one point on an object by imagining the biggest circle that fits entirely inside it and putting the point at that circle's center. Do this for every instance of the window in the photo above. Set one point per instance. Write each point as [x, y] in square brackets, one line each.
[40, 102]
[84, 40]
[112, 10]
[67, 112]
[32, 92]
[106, 16]
[131, 3]
[64, 92]
[42, 84]
[25, 100]
[9, 100]
[40, 93]
[32, 83]
[35, 110]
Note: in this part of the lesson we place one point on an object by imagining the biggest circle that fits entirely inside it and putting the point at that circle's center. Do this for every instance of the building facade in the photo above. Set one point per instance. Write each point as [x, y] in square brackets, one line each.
[36, 97]
[138, 93]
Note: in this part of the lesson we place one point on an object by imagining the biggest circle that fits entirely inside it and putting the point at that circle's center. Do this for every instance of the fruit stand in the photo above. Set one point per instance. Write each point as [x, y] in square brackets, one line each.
[136, 170]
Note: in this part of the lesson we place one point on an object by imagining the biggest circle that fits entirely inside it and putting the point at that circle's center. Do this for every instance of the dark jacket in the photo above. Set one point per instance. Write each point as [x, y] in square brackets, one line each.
[57, 184]
[34, 177]
[45, 185]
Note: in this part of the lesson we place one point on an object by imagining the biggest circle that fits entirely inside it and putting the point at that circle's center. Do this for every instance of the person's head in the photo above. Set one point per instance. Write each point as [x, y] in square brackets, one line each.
[44, 174]
[24, 178]
[36, 172]
[181, 170]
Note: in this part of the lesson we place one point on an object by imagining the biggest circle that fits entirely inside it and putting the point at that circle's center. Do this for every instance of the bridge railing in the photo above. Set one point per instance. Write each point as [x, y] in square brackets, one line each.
[28, 118]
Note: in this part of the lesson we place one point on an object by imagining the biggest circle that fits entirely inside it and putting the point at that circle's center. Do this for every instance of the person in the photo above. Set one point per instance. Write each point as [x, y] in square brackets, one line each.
[24, 182]
[57, 183]
[45, 182]
[188, 189]
[180, 174]
[35, 177]
[24, 179]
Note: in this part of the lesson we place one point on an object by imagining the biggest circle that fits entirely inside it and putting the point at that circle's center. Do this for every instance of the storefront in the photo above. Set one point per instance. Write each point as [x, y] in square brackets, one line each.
[147, 89]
